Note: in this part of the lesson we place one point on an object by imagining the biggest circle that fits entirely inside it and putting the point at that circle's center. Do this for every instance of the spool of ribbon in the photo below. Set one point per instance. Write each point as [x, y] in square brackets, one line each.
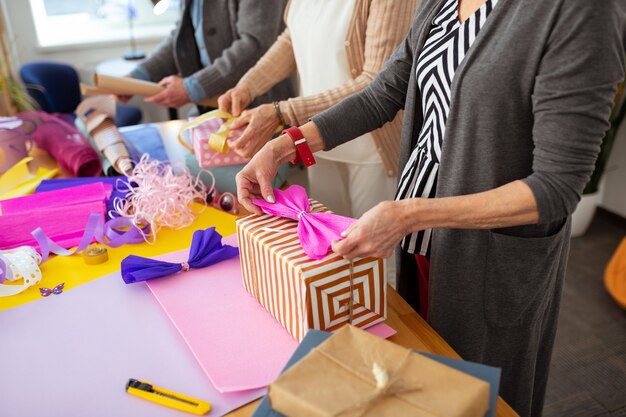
[114, 233]
[206, 250]
[316, 231]
[21, 263]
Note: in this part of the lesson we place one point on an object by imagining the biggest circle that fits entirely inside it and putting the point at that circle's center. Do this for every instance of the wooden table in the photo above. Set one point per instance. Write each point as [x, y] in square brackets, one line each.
[412, 331]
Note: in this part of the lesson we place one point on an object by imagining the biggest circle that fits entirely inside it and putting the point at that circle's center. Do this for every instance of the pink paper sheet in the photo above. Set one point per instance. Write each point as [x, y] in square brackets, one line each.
[238, 344]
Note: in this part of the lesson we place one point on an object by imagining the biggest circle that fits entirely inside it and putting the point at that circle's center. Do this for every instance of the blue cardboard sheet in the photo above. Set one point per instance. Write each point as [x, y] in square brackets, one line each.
[142, 139]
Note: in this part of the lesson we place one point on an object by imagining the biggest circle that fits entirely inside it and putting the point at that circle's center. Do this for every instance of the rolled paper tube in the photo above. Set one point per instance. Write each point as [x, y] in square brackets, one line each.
[125, 85]
[87, 90]
[110, 143]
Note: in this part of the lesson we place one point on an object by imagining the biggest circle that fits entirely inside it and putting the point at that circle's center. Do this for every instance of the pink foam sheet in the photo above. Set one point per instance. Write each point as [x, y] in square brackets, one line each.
[238, 344]
[71, 355]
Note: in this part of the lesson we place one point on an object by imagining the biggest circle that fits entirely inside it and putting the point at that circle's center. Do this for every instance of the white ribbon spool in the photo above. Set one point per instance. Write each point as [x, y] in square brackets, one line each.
[21, 264]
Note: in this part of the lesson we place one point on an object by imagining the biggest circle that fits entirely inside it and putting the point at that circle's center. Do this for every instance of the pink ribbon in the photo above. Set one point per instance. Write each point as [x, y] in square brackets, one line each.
[316, 230]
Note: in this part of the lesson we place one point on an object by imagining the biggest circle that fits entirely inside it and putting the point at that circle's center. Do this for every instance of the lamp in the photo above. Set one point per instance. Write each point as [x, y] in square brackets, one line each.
[160, 6]
[134, 54]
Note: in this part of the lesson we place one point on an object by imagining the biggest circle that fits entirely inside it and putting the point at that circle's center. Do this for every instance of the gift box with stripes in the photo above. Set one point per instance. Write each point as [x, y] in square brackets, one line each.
[304, 293]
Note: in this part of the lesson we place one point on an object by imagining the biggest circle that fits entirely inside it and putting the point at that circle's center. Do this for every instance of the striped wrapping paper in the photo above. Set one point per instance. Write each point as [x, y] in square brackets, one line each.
[303, 293]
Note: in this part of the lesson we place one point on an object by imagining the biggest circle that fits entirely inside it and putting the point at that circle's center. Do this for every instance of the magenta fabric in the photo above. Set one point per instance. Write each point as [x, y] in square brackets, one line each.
[423, 271]
[63, 142]
[316, 230]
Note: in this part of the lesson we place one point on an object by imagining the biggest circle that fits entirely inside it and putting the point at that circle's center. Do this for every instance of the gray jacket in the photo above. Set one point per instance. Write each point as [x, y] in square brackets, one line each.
[530, 102]
[236, 34]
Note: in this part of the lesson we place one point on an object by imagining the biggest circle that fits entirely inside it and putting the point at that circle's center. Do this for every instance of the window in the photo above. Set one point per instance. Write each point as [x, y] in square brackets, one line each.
[74, 22]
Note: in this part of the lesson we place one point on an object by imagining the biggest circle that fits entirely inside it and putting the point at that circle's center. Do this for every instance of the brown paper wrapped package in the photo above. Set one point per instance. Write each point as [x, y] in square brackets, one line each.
[336, 379]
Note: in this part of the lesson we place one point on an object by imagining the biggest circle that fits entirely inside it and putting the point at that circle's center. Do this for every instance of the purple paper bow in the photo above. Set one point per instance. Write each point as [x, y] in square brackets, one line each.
[206, 249]
[316, 230]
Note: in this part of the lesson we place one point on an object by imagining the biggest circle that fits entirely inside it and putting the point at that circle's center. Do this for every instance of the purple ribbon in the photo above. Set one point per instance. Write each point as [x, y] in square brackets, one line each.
[316, 230]
[114, 233]
[206, 250]
[3, 271]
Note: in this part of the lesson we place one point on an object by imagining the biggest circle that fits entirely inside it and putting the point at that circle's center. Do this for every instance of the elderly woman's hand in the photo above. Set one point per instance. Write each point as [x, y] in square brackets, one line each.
[255, 179]
[174, 94]
[235, 100]
[261, 123]
[376, 233]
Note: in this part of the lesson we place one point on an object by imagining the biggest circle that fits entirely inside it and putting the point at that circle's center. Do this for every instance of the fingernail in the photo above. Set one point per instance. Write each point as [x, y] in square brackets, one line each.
[344, 233]
[270, 198]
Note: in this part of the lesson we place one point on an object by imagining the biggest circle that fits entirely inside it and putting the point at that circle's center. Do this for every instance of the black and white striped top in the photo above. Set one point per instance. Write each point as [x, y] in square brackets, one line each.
[445, 48]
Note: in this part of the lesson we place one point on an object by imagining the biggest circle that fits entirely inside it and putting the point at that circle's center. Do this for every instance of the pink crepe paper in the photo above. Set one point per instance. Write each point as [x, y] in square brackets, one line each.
[57, 198]
[62, 214]
[316, 230]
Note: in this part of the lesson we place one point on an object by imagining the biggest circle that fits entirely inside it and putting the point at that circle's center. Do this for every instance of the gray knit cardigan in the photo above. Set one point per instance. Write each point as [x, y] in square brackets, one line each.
[530, 102]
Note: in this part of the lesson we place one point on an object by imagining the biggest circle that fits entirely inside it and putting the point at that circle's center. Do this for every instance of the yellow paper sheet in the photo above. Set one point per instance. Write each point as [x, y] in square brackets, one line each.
[73, 271]
[18, 181]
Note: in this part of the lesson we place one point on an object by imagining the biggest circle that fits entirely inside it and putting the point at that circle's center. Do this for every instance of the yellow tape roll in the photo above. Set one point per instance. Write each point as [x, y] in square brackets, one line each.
[95, 254]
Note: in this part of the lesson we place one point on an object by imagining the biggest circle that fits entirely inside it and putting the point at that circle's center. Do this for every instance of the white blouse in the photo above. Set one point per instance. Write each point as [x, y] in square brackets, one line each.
[318, 33]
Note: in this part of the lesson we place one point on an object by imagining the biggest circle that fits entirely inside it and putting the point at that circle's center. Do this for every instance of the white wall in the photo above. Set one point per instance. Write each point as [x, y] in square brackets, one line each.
[84, 58]
[614, 195]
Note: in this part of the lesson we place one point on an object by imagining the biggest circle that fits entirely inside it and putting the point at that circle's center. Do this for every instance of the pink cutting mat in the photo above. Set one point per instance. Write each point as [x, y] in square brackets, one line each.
[238, 344]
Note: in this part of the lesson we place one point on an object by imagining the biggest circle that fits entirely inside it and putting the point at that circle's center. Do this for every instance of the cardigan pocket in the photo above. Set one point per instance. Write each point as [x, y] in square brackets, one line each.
[520, 275]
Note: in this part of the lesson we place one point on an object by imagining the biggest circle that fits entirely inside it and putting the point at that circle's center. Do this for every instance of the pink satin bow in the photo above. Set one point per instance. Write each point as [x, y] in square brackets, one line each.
[316, 230]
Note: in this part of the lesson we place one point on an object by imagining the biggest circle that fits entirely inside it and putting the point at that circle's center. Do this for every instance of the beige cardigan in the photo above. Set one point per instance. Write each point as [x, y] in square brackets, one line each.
[376, 29]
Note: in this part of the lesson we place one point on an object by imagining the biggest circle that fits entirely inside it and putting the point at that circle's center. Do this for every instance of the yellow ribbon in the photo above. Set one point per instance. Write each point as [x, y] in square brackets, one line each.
[217, 141]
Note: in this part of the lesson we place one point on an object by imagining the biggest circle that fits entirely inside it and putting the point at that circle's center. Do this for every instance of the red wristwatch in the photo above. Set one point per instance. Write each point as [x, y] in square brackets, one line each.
[303, 152]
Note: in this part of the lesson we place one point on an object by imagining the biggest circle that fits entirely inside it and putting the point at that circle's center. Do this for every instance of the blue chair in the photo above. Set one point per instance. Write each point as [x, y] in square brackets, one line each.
[55, 87]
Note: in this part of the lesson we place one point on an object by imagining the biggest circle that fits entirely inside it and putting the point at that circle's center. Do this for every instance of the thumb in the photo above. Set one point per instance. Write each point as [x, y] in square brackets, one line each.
[349, 230]
[236, 103]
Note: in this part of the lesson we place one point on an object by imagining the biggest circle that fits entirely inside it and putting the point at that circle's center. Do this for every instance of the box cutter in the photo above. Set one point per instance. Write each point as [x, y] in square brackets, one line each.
[167, 398]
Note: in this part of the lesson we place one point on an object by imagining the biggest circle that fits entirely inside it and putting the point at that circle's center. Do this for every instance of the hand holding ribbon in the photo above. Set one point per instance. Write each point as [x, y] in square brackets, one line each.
[316, 230]
[206, 249]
